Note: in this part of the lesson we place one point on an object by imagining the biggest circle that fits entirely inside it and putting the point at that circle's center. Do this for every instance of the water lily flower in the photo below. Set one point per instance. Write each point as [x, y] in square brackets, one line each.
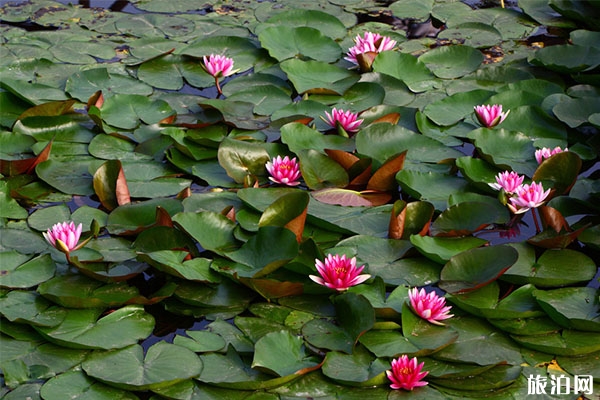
[368, 46]
[339, 273]
[490, 116]
[347, 120]
[542, 154]
[509, 181]
[528, 196]
[284, 170]
[429, 306]
[406, 373]
[64, 236]
[218, 66]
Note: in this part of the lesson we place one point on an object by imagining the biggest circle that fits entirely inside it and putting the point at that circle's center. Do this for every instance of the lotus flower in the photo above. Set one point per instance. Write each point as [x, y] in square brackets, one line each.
[284, 171]
[490, 116]
[430, 307]
[218, 66]
[406, 373]
[339, 273]
[347, 120]
[64, 237]
[509, 181]
[369, 45]
[542, 154]
[528, 196]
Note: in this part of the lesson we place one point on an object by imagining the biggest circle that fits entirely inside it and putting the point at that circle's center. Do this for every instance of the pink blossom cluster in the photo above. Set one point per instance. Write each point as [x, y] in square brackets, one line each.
[523, 196]
[369, 43]
[543, 153]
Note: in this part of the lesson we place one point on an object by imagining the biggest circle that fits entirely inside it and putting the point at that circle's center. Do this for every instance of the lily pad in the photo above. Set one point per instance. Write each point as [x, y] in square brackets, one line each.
[554, 268]
[464, 271]
[88, 329]
[576, 307]
[164, 364]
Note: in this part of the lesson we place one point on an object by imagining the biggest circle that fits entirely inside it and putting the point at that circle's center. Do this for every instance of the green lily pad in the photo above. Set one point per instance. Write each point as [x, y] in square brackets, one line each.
[387, 343]
[242, 159]
[174, 262]
[554, 268]
[429, 338]
[567, 343]
[281, 353]
[326, 335]
[84, 84]
[325, 22]
[435, 188]
[19, 271]
[576, 307]
[464, 271]
[441, 249]
[232, 372]
[357, 369]
[383, 141]
[200, 341]
[567, 58]
[27, 361]
[470, 348]
[450, 62]
[69, 176]
[30, 308]
[561, 170]
[406, 68]
[129, 368]
[88, 329]
[284, 42]
[78, 291]
[318, 76]
[77, 384]
[474, 34]
[506, 149]
[464, 219]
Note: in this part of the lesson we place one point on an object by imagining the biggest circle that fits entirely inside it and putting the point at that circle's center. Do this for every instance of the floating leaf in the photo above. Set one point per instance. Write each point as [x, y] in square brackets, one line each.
[475, 268]
[282, 353]
[284, 41]
[87, 329]
[575, 307]
[554, 268]
[129, 368]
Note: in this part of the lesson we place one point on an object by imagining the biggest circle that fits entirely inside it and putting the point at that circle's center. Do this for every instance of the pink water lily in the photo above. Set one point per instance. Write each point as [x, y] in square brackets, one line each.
[406, 373]
[347, 120]
[527, 197]
[218, 65]
[490, 116]
[509, 181]
[369, 44]
[542, 154]
[64, 236]
[285, 171]
[339, 272]
[429, 306]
